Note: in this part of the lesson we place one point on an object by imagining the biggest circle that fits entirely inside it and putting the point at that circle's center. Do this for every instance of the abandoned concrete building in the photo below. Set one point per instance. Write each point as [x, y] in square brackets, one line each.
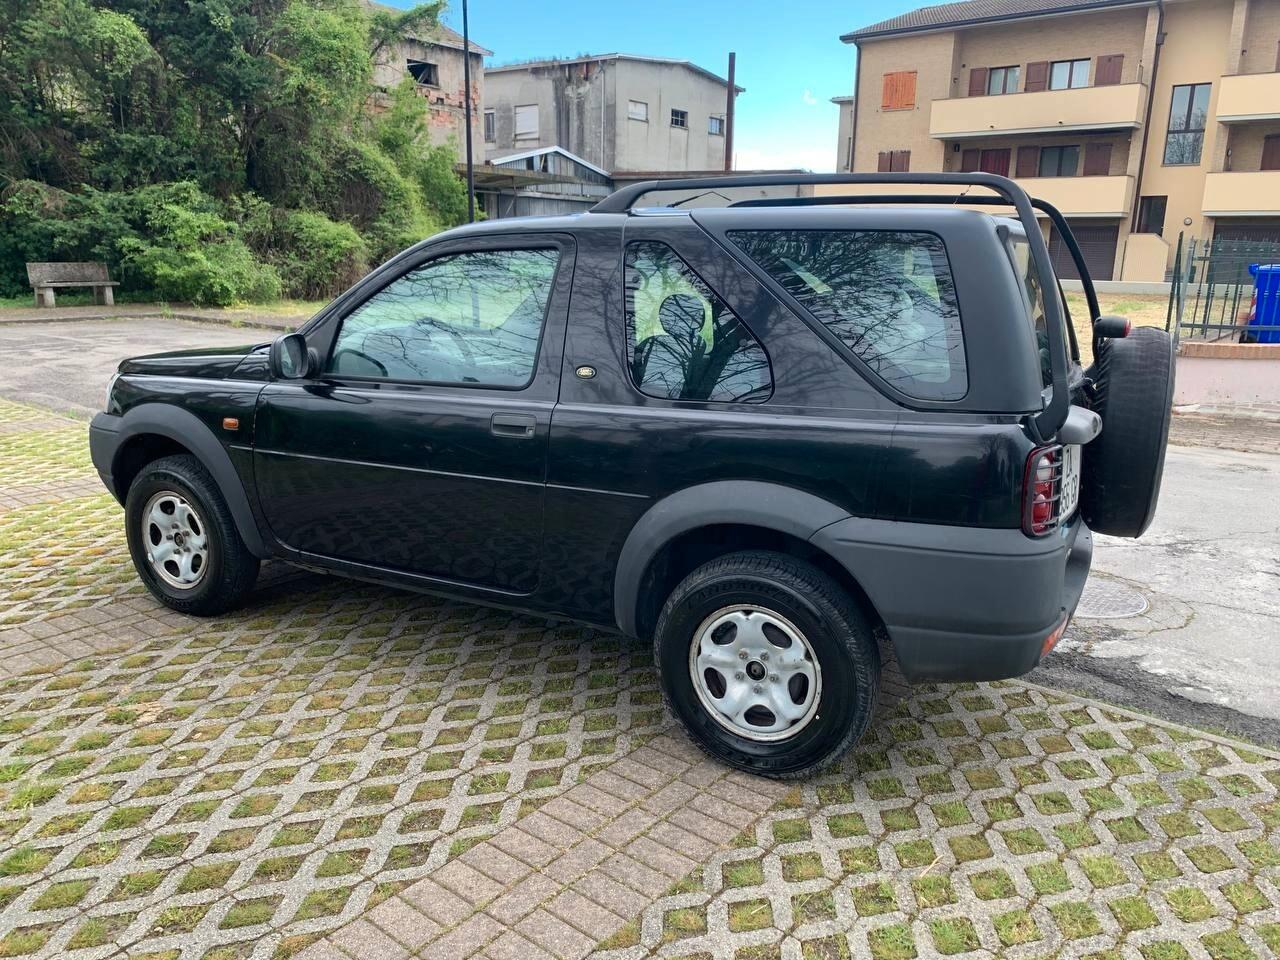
[615, 111]
[434, 60]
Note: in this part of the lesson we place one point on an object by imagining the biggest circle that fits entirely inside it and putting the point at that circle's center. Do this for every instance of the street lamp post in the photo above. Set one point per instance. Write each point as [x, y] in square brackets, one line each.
[466, 82]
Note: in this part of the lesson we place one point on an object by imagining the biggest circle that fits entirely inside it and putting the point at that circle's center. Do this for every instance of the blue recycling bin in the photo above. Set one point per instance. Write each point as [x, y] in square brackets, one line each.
[1266, 289]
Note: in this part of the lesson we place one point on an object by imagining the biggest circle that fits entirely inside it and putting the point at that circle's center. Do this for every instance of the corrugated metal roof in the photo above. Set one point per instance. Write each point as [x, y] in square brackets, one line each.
[978, 11]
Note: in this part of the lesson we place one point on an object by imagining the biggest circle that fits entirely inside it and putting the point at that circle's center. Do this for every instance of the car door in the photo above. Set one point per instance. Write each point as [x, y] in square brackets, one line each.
[420, 448]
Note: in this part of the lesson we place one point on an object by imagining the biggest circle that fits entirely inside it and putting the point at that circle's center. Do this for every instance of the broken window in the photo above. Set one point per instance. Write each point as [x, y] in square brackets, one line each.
[715, 126]
[638, 110]
[680, 118]
[426, 74]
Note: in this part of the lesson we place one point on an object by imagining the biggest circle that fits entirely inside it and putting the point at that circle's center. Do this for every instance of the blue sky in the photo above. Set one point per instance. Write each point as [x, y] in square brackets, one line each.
[790, 58]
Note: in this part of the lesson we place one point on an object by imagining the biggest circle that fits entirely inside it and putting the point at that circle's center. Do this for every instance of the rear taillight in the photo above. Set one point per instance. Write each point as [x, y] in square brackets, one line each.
[1042, 491]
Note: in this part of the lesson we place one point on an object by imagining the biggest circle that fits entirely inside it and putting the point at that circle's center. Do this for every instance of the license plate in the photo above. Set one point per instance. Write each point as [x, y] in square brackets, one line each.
[1070, 480]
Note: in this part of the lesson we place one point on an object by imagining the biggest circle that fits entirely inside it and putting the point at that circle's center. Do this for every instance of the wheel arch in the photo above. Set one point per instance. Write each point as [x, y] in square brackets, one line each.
[152, 431]
[693, 526]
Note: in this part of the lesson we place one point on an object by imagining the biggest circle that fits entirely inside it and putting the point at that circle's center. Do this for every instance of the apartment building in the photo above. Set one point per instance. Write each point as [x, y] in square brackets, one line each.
[1138, 119]
[434, 61]
[615, 111]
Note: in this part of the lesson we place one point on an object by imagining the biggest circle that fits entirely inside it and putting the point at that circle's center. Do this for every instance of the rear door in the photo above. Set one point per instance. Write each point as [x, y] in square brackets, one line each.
[421, 447]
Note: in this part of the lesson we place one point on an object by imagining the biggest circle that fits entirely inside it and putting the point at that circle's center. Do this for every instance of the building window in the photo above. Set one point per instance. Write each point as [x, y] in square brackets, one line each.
[527, 121]
[715, 126]
[1270, 152]
[490, 126]
[423, 73]
[638, 110]
[893, 161]
[680, 118]
[898, 91]
[1187, 115]
[1002, 80]
[1151, 215]
[1068, 74]
[1059, 161]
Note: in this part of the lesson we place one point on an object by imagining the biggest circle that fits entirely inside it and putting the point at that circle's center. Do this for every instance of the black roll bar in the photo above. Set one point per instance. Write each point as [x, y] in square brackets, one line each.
[1043, 425]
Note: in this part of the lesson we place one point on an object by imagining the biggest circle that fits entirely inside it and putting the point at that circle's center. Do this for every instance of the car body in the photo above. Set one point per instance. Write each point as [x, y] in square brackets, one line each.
[562, 487]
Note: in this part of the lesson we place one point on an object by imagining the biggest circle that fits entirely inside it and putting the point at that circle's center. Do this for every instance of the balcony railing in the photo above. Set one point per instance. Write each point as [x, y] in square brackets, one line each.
[1251, 96]
[1242, 193]
[1083, 108]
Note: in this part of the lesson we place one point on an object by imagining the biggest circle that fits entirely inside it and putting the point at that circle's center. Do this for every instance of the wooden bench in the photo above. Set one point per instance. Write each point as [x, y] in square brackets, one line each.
[46, 277]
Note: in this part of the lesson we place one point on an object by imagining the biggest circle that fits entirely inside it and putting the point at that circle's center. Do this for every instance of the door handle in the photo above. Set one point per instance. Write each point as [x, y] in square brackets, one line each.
[517, 426]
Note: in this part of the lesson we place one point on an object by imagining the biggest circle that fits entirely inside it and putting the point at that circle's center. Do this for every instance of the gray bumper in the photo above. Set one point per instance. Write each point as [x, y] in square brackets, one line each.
[104, 441]
[963, 603]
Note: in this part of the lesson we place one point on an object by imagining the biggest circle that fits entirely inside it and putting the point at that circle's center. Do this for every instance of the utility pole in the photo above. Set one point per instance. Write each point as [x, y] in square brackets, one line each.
[466, 82]
[728, 114]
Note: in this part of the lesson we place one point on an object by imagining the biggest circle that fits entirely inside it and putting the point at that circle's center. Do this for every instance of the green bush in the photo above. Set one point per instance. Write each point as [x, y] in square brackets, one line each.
[215, 274]
[317, 257]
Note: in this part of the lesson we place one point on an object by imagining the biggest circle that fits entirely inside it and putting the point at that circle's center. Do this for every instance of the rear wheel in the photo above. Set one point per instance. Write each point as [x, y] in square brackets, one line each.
[768, 663]
[183, 541]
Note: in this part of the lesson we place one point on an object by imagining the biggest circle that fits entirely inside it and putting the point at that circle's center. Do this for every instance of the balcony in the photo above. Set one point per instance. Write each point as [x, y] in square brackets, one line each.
[1046, 111]
[1250, 96]
[1083, 196]
[1254, 193]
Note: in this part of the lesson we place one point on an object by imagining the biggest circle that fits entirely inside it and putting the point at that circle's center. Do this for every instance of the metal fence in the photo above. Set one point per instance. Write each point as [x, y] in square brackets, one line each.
[1211, 297]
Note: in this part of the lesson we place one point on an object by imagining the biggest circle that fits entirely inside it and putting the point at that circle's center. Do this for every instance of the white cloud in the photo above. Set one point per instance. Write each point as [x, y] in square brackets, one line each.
[808, 98]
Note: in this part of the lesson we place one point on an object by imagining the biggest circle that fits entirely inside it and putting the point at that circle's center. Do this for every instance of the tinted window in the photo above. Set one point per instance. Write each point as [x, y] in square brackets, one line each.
[471, 318]
[887, 295]
[685, 342]
[1030, 279]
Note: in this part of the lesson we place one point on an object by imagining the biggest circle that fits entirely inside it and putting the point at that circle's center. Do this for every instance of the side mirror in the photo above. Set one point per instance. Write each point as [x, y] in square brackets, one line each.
[291, 359]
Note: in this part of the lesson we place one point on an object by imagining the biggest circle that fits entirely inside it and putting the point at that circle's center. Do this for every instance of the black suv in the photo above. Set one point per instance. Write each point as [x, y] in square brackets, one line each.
[779, 438]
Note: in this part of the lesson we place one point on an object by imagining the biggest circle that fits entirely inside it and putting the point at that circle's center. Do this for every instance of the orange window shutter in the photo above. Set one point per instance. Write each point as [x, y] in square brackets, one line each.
[898, 91]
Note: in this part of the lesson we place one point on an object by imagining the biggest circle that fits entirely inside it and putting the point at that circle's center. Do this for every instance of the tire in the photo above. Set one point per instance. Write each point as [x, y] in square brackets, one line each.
[805, 606]
[180, 492]
[1123, 466]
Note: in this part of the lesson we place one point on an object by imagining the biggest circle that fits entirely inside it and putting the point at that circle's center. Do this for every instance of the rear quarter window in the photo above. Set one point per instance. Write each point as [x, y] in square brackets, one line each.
[888, 296]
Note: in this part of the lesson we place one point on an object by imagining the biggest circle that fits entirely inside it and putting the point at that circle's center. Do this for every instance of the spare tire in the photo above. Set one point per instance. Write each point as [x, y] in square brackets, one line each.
[1122, 467]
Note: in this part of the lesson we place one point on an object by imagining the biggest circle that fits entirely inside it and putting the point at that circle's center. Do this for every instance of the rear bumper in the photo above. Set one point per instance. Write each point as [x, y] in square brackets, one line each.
[104, 441]
[963, 603]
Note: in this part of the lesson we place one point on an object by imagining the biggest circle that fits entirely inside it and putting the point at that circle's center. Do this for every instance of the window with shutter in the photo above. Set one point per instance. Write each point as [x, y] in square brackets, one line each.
[884, 161]
[1109, 70]
[970, 160]
[1037, 76]
[995, 161]
[526, 121]
[1097, 159]
[1028, 162]
[893, 161]
[898, 91]
[978, 82]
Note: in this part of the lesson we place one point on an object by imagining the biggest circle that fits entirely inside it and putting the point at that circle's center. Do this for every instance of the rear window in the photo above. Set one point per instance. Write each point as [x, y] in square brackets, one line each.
[1034, 291]
[887, 295]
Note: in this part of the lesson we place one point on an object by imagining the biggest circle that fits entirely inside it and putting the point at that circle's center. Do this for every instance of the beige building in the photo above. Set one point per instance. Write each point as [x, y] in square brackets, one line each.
[616, 111]
[1136, 118]
[434, 60]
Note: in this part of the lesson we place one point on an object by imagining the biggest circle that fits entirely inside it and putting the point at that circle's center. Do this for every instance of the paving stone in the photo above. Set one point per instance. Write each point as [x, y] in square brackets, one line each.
[573, 814]
[403, 922]
[625, 828]
[611, 894]
[512, 946]
[555, 936]
[523, 898]
[467, 882]
[577, 861]
[688, 844]
[361, 938]
[670, 798]
[465, 940]
[636, 875]
[670, 862]
[550, 830]
[584, 914]
[524, 846]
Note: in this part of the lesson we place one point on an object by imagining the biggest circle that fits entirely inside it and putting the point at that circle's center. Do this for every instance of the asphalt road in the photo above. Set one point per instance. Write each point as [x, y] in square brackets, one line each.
[1206, 651]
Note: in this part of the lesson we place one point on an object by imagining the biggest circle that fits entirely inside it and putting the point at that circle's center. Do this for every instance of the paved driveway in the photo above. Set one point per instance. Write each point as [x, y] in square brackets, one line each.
[342, 771]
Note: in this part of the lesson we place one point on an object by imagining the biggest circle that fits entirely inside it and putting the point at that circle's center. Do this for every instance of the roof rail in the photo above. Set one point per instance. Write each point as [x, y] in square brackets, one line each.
[1043, 425]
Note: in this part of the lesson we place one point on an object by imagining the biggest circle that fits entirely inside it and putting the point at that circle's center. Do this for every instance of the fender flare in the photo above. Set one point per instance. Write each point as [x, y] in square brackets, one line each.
[747, 502]
[183, 427]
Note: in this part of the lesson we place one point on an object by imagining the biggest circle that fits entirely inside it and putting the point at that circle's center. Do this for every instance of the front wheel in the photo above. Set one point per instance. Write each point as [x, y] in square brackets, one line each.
[183, 540]
[768, 663]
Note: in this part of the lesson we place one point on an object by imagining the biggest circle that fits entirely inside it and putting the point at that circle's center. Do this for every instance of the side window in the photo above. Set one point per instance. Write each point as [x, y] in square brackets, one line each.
[685, 342]
[888, 295]
[470, 318]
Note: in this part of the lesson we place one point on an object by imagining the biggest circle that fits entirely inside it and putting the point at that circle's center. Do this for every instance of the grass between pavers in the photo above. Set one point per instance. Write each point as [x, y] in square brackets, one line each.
[287, 766]
[999, 817]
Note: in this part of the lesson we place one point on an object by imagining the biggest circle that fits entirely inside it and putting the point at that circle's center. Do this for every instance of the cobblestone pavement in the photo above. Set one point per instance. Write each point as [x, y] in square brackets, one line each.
[345, 771]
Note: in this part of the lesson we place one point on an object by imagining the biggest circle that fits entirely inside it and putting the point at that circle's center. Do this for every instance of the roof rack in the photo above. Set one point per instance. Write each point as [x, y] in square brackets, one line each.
[1047, 422]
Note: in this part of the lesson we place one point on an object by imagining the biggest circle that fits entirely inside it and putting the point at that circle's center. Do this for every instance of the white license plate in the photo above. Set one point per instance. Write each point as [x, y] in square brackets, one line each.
[1070, 480]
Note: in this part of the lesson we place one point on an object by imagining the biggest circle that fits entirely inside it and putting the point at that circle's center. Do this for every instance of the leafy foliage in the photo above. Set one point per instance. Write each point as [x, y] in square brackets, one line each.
[217, 151]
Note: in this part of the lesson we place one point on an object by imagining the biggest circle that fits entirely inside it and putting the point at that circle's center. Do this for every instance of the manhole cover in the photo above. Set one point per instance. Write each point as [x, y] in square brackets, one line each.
[1110, 600]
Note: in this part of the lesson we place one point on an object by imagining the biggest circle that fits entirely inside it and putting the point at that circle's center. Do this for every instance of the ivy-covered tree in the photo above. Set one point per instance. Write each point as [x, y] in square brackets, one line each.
[114, 114]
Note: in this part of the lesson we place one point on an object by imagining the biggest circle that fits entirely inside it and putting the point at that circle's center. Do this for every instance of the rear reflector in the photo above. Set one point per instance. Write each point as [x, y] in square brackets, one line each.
[1042, 491]
[1052, 639]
